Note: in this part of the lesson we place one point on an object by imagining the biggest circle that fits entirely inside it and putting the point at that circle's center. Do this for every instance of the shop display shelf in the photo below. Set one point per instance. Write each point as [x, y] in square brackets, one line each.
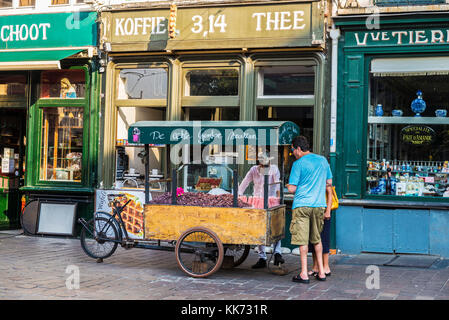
[408, 120]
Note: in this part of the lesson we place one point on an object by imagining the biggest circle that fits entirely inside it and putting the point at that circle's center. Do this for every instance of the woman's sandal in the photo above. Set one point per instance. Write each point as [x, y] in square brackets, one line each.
[312, 273]
[298, 278]
[320, 279]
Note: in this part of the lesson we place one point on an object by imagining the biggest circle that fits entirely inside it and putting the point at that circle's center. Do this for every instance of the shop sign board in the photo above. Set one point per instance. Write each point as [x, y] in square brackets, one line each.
[279, 25]
[417, 135]
[48, 30]
[403, 37]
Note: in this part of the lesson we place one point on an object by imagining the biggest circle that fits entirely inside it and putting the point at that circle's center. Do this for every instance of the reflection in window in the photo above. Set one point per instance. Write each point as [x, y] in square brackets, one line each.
[26, 3]
[13, 84]
[61, 144]
[5, 3]
[212, 82]
[407, 155]
[288, 80]
[211, 114]
[142, 84]
[63, 84]
[54, 2]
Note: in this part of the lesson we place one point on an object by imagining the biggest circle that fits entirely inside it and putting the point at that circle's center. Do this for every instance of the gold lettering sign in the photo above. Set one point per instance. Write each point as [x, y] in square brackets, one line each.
[244, 26]
[417, 135]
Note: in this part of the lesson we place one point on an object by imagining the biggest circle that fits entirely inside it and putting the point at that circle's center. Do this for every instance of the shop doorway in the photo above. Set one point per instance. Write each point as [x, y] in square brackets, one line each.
[12, 171]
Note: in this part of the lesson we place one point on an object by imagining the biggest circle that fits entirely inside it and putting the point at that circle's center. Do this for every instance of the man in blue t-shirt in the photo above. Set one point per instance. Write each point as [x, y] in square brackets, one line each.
[310, 180]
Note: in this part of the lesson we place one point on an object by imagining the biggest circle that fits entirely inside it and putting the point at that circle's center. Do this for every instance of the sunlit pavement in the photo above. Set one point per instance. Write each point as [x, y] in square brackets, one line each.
[48, 267]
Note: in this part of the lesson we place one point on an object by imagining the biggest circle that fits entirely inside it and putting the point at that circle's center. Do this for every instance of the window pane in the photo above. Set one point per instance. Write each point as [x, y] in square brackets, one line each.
[214, 82]
[62, 144]
[63, 84]
[407, 153]
[26, 3]
[211, 114]
[13, 85]
[288, 80]
[129, 166]
[5, 3]
[53, 2]
[142, 84]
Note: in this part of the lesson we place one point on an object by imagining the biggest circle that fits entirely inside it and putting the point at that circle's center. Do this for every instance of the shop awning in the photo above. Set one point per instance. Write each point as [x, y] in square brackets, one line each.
[213, 132]
[396, 67]
[33, 59]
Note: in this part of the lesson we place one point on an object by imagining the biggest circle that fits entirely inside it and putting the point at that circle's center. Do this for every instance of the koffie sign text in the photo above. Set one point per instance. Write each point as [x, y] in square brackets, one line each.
[285, 24]
[400, 37]
[417, 135]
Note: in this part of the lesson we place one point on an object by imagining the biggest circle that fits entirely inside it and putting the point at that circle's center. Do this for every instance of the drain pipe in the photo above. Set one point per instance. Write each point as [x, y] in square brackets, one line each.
[335, 35]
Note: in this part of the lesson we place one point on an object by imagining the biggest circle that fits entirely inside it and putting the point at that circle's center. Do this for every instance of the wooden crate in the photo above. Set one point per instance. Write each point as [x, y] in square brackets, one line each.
[232, 225]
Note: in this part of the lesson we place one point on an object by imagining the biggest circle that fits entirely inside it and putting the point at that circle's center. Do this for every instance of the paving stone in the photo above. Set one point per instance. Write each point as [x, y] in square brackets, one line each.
[35, 268]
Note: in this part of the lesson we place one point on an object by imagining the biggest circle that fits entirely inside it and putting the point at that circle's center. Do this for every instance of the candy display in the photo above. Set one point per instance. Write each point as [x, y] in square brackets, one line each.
[200, 199]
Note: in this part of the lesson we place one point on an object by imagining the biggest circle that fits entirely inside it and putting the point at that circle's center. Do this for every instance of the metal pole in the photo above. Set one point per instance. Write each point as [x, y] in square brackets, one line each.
[281, 187]
[174, 185]
[147, 173]
[265, 190]
[235, 188]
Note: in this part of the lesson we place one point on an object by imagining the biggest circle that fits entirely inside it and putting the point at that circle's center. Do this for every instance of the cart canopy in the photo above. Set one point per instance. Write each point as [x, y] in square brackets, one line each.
[213, 132]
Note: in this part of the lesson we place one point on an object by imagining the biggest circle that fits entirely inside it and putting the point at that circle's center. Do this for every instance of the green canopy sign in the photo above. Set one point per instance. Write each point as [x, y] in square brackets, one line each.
[213, 132]
[48, 30]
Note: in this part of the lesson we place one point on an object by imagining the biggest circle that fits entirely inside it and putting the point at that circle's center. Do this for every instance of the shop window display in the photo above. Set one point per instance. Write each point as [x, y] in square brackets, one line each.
[61, 144]
[63, 84]
[130, 166]
[408, 135]
[13, 85]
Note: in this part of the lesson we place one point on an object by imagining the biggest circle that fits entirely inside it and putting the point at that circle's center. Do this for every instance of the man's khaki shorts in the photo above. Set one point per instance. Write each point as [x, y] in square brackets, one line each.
[306, 226]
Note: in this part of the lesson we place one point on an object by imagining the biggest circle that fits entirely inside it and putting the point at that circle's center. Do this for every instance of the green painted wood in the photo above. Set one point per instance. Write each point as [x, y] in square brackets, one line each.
[354, 60]
[215, 132]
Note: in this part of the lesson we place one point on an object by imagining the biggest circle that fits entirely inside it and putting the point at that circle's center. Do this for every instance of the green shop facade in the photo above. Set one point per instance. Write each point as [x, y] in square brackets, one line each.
[392, 153]
[223, 62]
[49, 92]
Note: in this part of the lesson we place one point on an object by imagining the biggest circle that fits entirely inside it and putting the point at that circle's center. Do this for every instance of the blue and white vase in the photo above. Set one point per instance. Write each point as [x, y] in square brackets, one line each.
[379, 111]
[418, 105]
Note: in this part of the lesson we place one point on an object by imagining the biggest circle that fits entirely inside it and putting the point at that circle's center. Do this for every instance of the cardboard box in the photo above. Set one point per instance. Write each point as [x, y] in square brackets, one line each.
[8, 165]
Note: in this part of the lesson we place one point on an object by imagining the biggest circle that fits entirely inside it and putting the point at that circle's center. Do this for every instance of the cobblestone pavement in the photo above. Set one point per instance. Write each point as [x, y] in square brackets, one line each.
[35, 268]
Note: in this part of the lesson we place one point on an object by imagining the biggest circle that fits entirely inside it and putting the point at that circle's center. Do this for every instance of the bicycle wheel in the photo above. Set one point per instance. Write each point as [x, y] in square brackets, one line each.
[199, 252]
[239, 251]
[100, 240]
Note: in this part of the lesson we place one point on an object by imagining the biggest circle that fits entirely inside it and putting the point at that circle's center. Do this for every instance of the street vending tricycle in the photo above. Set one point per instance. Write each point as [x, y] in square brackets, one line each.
[205, 225]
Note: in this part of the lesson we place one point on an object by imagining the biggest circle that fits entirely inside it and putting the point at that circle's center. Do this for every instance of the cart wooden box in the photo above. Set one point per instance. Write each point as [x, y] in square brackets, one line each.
[231, 225]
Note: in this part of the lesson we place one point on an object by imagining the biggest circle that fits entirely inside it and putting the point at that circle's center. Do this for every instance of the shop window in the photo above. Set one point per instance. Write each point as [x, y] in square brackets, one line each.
[13, 85]
[56, 2]
[286, 80]
[391, 3]
[150, 83]
[6, 4]
[61, 144]
[26, 3]
[130, 166]
[64, 84]
[212, 82]
[211, 114]
[407, 140]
